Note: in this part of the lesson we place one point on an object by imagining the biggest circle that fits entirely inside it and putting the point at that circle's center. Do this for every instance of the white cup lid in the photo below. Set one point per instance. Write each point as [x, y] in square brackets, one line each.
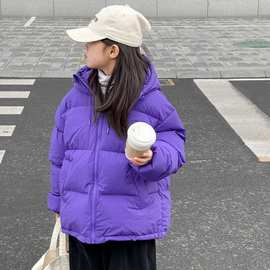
[141, 136]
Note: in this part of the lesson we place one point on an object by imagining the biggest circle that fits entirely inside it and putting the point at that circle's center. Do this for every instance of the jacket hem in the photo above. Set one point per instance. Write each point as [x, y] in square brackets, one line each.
[158, 235]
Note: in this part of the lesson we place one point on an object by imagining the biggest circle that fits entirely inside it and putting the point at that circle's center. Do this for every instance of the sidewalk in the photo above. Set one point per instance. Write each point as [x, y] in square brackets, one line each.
[179, 48]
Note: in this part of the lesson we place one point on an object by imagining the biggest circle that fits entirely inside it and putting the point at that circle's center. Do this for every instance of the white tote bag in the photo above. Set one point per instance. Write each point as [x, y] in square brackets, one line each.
[56, 257]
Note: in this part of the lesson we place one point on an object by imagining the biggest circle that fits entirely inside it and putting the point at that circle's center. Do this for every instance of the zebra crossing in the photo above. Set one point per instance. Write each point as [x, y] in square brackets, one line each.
[8, 130]
[250, 123]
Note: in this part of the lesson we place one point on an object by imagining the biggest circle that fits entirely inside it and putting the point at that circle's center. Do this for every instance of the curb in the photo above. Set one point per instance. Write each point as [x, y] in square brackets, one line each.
[162, 74]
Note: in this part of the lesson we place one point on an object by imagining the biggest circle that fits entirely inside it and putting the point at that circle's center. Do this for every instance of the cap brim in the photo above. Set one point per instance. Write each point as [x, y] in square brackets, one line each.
[84, 34]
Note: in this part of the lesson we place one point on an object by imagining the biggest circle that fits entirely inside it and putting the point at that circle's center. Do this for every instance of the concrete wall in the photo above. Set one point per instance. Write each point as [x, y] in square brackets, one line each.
[150, 8]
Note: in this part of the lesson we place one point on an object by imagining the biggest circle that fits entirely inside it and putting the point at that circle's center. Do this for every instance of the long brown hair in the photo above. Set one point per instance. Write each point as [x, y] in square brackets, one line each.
[129, 74]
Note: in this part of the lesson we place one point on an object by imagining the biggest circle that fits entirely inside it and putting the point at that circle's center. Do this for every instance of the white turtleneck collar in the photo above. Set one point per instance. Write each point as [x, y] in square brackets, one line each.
[103, 80]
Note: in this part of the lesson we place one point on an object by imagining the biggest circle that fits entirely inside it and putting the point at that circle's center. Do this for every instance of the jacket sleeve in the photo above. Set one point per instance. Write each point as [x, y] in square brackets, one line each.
[168, 150]
[56, 156]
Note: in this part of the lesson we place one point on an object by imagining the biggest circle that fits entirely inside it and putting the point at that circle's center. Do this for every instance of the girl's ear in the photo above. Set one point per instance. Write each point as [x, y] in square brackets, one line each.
[114, 51]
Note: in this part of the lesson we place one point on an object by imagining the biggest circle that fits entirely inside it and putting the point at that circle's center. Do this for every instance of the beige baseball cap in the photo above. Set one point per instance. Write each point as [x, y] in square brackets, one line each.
[120, 23]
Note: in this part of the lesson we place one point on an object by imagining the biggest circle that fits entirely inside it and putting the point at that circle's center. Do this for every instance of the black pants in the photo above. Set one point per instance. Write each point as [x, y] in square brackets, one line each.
[112, 255]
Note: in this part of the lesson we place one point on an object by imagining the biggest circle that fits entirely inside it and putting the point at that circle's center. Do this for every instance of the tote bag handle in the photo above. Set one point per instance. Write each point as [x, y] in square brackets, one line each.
[63, 241]
[55, 251]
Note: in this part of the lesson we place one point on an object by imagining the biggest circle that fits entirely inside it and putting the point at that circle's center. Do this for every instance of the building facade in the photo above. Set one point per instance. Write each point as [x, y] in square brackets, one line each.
[150, 8]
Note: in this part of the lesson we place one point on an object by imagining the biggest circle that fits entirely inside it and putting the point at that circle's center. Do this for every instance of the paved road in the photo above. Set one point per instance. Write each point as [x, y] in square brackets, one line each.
[257, 91]
[221, 206]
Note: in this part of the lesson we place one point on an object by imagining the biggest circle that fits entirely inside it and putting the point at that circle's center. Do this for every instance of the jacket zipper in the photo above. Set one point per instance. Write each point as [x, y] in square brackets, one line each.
[94, 189]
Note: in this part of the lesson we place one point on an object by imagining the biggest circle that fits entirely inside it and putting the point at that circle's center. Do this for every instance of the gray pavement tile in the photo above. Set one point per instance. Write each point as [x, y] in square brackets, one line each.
[191, 46]
[165, 73]
[59, 74]
[243, 73]
[23, 74]
[197, 73]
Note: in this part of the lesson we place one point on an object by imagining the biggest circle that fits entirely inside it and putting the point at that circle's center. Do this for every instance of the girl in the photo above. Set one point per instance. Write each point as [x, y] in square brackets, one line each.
[113, 208]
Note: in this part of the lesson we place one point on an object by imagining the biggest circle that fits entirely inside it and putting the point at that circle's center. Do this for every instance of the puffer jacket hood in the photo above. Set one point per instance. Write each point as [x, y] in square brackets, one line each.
[100, 194]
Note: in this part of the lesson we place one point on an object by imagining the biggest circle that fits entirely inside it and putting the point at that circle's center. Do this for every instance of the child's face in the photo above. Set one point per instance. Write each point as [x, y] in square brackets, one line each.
[98, 56]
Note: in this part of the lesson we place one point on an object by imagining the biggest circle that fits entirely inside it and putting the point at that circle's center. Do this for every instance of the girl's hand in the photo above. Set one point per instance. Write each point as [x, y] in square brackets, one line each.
[145, 158]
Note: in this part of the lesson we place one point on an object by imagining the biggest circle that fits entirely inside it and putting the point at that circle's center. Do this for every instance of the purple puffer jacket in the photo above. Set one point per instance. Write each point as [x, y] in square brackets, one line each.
[100, 194]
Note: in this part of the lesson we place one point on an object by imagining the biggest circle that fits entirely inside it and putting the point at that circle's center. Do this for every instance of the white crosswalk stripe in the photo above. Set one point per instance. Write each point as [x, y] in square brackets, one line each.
[249, 122]
[11, 109]
[250, 79]
[8, 130]
[14, 94]
[17, 81]
[2, 152]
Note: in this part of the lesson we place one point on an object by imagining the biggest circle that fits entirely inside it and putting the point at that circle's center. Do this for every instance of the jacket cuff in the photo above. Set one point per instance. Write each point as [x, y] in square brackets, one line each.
[54, 202]
[161, 164]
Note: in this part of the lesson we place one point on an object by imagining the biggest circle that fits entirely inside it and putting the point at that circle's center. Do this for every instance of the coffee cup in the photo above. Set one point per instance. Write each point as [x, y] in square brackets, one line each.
[140, 137]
